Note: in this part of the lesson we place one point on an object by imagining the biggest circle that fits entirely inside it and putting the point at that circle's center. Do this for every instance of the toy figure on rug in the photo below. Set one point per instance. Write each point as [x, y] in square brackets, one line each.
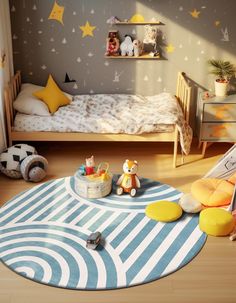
[113, 44]
[88, 168]
[128, 181]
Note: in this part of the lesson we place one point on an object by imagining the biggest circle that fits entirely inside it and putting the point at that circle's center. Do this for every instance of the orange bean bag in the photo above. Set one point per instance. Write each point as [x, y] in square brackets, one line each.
[212, 192]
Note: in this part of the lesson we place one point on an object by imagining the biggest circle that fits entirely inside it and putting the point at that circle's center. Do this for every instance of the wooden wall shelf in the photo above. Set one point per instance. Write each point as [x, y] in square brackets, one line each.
[139, 23]
[144, 56]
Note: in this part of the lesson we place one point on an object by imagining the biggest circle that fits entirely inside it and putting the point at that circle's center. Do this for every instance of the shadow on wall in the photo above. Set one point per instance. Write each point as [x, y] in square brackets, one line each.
[213, 21]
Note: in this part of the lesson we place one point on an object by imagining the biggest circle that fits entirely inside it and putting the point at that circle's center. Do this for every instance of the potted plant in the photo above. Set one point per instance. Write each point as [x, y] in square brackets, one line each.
[224, 70]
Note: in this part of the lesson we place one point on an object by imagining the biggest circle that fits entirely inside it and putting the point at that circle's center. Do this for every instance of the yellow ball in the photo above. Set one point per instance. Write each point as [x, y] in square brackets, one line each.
[164, 211]
[216, 222]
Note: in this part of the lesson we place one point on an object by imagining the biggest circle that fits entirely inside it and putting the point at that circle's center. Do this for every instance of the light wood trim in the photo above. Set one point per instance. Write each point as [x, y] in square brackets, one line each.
[144, 56]
[183, 94]
[8, 111]
[55, 136]
[176, 140]
[139, 23]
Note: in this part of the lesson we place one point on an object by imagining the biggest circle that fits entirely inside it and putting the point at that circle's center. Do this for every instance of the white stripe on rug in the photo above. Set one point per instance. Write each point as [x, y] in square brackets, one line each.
[105, 224]
[58, 209]
[126, 241]
[184, 250]
[156, 256]
[15, 210]
[63, 264]
[92, 220]
[81, 215]
[120, 227]
[70, 212]
[143, 245]
[47, 271]
[37, 204]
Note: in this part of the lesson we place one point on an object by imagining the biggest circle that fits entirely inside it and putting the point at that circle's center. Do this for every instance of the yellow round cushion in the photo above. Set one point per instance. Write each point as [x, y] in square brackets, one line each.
[216, 222]
[164, 211]
[212, 192]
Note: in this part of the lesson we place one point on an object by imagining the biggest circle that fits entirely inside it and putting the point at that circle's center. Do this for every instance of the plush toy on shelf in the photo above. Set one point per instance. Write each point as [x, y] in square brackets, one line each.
[128, 181]
[127, 47]
[138, 48]
[112, 44]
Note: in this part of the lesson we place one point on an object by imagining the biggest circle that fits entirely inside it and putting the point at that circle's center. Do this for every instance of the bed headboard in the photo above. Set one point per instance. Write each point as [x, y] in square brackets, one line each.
[183, 94]
[10, 93]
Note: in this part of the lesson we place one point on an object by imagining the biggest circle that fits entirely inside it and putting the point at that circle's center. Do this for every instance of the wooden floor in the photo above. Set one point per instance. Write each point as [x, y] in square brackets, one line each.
[210, 277]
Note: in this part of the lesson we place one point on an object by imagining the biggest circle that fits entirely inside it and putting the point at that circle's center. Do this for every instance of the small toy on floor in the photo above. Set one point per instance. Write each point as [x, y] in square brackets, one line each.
[93, 240]
[128, 181]
[22, 161]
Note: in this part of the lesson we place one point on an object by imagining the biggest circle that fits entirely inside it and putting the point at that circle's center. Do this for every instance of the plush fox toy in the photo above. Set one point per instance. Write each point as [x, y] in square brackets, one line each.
[128, 181]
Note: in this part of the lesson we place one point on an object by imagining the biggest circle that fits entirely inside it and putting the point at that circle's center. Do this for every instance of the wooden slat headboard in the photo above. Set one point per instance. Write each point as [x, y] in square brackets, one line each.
[10, 93]
[183, 94]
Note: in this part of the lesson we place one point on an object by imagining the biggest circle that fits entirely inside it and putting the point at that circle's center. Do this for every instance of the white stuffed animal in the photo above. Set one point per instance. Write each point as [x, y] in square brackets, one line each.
[127, 47]
[138, 48]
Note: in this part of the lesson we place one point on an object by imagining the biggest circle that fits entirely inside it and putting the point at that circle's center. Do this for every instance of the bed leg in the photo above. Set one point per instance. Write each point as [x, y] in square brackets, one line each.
[175, 148]
[9, 143]
[182, 158]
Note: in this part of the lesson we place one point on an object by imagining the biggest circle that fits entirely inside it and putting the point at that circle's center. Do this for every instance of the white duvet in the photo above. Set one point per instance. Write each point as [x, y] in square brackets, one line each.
[116, 113]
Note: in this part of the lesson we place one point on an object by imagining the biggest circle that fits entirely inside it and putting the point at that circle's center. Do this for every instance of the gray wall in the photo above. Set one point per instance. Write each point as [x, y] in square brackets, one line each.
[39, 48]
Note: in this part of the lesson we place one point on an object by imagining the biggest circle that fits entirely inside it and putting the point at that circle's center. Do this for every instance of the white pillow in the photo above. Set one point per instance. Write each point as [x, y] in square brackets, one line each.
[26, 103]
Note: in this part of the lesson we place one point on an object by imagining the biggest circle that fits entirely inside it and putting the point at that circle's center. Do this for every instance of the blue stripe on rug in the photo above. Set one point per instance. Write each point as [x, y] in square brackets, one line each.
[88, 216]
[32, 203]
[137, 240]
[56, 273]
[109, 229]
[100, 221]
[172, 250]
[76, 213]
[194, 250]
[126, 230]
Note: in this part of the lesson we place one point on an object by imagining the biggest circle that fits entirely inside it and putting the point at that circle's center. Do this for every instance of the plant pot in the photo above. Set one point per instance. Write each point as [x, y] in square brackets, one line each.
[221, 88]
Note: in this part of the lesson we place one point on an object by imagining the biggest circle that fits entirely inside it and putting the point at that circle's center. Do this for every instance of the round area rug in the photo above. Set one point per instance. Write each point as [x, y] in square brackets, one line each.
[43, 234]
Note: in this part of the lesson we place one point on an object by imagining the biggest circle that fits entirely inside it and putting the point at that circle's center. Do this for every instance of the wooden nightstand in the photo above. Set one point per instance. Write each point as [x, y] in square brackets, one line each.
[216, 119]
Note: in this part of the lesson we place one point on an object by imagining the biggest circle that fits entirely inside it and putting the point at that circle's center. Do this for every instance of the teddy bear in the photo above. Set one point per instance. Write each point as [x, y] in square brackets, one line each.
[113, 44]
[138, 48]
[128, 181]
[127, 47]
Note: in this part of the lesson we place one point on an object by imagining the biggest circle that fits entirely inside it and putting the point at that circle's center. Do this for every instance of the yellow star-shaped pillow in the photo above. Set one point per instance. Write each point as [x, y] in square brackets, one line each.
[52, 96]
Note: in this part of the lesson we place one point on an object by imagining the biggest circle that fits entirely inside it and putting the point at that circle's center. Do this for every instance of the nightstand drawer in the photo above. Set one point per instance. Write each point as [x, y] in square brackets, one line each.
[219, 112]
[224, 132]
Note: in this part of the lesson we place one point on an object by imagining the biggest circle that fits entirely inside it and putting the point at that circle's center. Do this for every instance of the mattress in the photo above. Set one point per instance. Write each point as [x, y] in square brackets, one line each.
[117, 114]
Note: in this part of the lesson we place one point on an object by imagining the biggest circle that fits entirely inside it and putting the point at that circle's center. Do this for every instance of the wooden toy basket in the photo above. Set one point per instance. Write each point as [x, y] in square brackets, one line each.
[94, 186]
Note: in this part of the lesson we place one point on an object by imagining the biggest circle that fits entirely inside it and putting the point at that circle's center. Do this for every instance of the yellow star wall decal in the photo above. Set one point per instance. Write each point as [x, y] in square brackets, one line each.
[170, 48]
[195, 14]
[87, 29]
[57, 13]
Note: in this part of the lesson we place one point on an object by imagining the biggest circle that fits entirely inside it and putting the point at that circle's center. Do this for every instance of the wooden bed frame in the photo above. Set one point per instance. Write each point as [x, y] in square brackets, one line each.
[183, 95]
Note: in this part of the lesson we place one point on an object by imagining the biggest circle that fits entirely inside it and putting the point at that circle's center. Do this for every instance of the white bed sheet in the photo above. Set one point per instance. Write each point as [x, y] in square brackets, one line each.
[130, 114]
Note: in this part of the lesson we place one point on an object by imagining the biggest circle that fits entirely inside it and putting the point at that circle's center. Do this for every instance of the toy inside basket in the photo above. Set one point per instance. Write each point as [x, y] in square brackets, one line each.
[93, 186]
